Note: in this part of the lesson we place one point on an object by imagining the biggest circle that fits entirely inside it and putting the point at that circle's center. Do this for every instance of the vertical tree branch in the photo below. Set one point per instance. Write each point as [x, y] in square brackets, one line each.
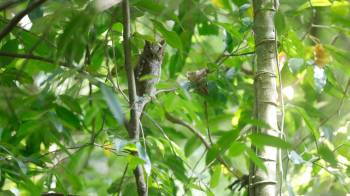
[261, 182]
[133, 125]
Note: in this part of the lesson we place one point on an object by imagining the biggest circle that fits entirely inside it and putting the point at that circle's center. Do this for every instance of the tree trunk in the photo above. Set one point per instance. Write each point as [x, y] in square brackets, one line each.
[262, 183]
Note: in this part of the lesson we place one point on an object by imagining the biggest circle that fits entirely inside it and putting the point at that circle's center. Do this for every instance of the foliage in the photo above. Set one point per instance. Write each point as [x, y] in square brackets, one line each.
[63, 103]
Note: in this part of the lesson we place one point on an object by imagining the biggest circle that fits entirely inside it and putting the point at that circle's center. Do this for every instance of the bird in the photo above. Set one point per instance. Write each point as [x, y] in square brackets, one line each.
[148, 69]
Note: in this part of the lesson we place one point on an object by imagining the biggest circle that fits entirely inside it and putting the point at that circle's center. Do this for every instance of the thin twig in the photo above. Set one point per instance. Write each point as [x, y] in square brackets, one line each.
[122, 179]
[207, 145]
[178, 121]
[8, 28]
[164, 91]
[190, 179]
[162, 131]
[6, 21]
[26, 56]
[331, 173]
[338, 110]
[8, 4]
[207, 121]
[221, 59]
[32, 57]
[116, 87]
[313, 10]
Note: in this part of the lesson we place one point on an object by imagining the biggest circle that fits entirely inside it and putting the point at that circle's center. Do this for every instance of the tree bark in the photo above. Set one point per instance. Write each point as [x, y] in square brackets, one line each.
[265, 183]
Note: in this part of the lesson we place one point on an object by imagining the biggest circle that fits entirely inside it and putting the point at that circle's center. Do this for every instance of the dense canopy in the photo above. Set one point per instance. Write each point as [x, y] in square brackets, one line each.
[94, 93]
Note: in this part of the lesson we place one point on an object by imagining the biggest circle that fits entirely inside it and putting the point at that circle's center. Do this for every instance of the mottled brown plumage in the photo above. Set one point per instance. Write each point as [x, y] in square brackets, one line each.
[198, 80]
[148, 69]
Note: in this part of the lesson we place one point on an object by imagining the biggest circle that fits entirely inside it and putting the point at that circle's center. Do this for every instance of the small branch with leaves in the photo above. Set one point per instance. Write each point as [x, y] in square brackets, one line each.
[13, 23]
[201, 137]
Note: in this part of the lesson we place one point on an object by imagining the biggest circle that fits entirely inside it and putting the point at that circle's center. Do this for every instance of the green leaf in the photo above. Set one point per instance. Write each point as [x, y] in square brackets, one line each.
[327, 155]
[233, 30]
[22, 166]
[156, 8]
[309, 123]
[333, 87]
[64, 173]
[320, 3]
[228, 42]
[260, 140]
[118, 27]
[236, 149]
[134, 161]
[72, 41]
[141, 151]
[215, 176]
[257, 161]
[212, 154]
[6, 193]
[67, 117]
[71, 103]
[36, 13]
[206, 28]
[170, 37]
[220, 147]
[97, 59]
[348, 170]
[340, 8]
[76, 162]
[177, 166]
[280, 22]
[150, 5]
[30, 40]
[174, 65]
[191, 145]
[113, 103]
[114, 187]
[315, 3]
[341, 56]
[11, 46]
[158, 144]
[32, 115]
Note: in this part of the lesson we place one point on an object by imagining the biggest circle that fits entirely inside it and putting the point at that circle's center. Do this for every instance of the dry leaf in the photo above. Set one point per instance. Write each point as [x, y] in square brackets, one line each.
[282, 58]
[321, 56]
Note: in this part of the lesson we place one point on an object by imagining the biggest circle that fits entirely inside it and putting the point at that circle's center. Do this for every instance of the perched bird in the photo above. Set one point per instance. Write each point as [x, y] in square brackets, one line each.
[148, 69]
[198, 80]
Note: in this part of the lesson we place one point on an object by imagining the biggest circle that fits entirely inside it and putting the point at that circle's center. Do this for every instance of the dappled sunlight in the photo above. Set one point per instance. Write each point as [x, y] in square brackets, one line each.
[174, 97]
[288, 92]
